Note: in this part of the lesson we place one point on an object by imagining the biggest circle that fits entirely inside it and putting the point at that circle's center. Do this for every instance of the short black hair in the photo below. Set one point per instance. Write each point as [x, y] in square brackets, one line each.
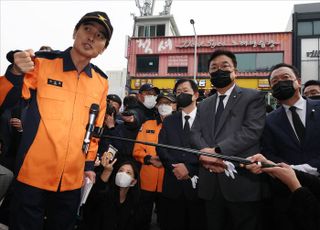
[194, 86]
[311, 82]
[130, 102]
[278, 66]
[223, 52]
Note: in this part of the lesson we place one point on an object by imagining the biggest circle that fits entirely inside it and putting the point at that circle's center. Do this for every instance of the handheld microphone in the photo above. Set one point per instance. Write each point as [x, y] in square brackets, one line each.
[94, 110]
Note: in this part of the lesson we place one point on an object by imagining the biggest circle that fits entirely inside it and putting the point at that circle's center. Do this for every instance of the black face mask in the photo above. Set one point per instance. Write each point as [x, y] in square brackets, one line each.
[184, 99]
[283, 90]
[220, 78]
[315, 97]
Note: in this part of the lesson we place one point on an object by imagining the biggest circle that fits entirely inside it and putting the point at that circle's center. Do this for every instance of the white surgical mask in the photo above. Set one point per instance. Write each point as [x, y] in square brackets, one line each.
[164, 109]
[150, 101]
[123, 180]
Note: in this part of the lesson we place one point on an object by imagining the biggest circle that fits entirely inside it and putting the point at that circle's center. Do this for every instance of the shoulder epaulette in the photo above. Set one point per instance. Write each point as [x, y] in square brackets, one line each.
[41, 54]
[48, 54]
[96, 68]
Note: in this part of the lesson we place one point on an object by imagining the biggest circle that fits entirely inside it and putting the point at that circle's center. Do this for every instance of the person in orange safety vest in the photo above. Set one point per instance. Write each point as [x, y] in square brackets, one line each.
[152, 171]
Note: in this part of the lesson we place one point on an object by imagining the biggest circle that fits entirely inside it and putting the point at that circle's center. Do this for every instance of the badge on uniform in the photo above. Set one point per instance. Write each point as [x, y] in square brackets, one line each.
[54, 82]
[150, 131]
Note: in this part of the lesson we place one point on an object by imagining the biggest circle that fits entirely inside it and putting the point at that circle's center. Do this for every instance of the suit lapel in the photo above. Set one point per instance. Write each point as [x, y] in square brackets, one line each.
[212, 112]
[311, 115]
[234, 97]
[179, 127]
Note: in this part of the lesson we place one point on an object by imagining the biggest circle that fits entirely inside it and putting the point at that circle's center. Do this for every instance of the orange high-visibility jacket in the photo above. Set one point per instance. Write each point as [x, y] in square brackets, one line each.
[51, 147]
[151, 177]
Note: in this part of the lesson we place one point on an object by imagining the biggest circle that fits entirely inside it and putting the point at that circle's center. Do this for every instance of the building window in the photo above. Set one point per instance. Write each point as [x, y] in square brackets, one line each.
[309, 28]
[265, 61]
[246, 62]
[178, 69]
[258, 62]
[203, 63]
[304, 28]
[316, 27]
[151, 30]
[161, 29]
[141, 31]
[148, 64]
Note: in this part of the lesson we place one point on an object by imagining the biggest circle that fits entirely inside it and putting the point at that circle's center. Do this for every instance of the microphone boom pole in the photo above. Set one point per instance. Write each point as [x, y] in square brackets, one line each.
[239, 160]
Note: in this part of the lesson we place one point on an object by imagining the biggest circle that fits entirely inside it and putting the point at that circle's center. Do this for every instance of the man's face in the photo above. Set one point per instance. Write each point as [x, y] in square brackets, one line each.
[89, 39]
[150, 92]
[224, 63]
[284, 74]
[165, 101]
[185, 87]
[312, 90]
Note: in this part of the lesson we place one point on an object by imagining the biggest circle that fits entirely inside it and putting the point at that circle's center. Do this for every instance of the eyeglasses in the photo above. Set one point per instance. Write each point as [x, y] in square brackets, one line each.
[224, 67]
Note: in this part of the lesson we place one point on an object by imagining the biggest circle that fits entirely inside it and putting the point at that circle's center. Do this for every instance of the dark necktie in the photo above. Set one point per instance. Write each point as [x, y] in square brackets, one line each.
[186, 128]
[186, 132]
[297, 123]
[219, 110]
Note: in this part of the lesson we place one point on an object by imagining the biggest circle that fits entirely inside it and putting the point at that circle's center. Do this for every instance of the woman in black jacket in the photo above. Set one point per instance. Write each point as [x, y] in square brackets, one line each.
[113, 200]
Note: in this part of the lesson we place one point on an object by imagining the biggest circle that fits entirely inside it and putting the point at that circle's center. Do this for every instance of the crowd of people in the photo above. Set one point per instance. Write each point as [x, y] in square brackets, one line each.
[219, 161]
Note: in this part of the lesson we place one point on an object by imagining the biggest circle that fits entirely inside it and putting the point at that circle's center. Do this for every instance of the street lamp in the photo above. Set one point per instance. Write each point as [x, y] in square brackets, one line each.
[195, 51]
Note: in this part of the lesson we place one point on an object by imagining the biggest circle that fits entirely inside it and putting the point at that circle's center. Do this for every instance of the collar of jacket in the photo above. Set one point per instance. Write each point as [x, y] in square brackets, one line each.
[68, 64]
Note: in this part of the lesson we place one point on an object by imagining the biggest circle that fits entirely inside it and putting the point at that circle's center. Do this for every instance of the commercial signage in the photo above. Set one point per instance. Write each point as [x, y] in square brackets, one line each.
[263, 83]
[313, 54]
[240, 43]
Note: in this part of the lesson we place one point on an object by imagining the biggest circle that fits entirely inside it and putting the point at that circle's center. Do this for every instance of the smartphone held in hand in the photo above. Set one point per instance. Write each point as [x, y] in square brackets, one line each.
[111, 153]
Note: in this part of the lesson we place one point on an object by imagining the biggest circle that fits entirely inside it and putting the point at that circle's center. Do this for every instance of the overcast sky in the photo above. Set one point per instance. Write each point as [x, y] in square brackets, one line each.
[31, 24]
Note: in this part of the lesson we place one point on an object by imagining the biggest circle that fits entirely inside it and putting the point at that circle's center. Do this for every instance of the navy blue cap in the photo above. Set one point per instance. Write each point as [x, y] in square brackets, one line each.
[100, 17]
[148, 87]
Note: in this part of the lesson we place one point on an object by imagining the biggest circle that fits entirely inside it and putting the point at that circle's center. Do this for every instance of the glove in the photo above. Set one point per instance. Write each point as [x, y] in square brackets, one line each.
[194, 181]
[231, 169]
[306, 168]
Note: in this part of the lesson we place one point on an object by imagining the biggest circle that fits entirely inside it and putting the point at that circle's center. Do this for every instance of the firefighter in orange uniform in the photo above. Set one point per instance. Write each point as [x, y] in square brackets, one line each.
[152, 171]
[62, 86]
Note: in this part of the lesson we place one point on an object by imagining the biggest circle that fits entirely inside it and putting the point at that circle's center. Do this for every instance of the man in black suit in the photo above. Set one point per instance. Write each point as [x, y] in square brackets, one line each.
[184, 211]
[230, 123]
[291, 133]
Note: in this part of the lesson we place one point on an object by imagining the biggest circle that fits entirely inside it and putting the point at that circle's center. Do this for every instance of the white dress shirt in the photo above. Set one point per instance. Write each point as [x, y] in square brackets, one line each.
[301, 110]
[191, 119]
[227, 93]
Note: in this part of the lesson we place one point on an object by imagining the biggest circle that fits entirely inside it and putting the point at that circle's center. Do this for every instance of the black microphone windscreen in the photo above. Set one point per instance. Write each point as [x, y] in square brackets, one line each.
[94, 108]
